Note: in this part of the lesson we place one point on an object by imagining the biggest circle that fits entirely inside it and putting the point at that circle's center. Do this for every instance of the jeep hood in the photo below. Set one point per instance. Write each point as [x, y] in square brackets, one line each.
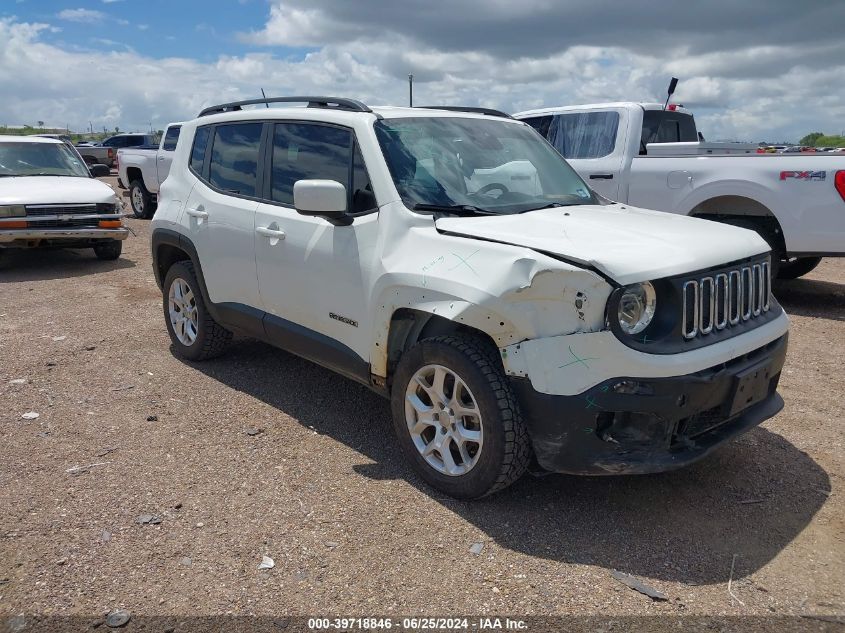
[53, 190]
[625, 243]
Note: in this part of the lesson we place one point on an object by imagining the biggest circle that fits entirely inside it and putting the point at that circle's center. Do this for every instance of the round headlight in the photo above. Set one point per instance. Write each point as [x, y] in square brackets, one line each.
[636, 307]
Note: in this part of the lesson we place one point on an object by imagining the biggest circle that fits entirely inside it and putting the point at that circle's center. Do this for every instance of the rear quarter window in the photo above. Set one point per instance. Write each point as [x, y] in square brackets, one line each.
[171, 137]
[198, 149]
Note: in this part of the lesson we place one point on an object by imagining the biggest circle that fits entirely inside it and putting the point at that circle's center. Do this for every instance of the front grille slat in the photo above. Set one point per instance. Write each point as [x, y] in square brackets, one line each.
[60, 209]
[713, 303]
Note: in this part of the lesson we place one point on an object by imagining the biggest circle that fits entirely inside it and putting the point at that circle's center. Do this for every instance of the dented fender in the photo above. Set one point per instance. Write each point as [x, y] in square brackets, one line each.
[510, 293]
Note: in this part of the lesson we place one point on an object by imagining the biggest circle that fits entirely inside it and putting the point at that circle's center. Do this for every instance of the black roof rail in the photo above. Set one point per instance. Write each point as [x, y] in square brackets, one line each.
[334, 103]
[487, 111]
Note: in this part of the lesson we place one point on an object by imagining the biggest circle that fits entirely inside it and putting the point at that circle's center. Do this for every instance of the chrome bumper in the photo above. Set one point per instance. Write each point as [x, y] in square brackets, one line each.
[25, 235]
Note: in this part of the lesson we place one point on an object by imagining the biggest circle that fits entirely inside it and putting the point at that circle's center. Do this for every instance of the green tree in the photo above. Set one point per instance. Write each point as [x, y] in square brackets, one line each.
[811, 138]
[41, 124]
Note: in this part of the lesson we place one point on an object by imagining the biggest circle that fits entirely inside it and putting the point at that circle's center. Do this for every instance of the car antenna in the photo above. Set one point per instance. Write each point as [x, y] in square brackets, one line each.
[264, 96]
[670, 92]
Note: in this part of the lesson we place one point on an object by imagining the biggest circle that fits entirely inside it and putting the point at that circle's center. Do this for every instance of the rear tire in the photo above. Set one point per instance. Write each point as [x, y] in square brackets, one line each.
[194, 332]
[108, 249]
[467, 437]
[143, 206]
[798, 267]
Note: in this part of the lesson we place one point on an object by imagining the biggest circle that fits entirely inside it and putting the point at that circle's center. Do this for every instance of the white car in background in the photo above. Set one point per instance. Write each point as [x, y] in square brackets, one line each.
[50, 199]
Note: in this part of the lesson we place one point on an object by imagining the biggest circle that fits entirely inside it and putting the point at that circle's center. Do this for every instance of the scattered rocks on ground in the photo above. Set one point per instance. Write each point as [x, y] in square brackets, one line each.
[638, 585]
[148, 519]
[266, 563]
[118, 618]
[476, 548]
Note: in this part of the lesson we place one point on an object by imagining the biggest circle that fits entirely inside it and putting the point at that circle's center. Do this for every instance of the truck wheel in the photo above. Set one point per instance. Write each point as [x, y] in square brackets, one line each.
[193, 331]
[142, 202]
[456, 417]
[797, 267]
[108, 249]
[763, 231]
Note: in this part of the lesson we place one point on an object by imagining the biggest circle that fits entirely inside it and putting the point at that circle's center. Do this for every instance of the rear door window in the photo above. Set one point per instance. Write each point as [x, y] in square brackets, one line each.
[541, 124]
[234, 158]
[584, 134]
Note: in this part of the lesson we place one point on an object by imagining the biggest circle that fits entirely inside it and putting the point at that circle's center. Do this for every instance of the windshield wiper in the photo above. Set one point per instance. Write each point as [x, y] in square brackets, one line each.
[463, 210]
[551, 205]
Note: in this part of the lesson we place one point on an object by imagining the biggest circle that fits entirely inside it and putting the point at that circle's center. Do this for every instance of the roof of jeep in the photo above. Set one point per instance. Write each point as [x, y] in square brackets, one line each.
[11, 138]
[339, 115]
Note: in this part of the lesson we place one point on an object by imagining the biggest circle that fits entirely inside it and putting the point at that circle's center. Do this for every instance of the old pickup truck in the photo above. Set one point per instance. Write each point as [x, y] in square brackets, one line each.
[641, 154]
[144, 168]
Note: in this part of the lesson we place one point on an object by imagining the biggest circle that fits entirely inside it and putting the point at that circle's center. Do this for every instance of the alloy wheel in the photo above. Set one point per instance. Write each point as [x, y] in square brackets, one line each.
[444, 420]
[182, 308]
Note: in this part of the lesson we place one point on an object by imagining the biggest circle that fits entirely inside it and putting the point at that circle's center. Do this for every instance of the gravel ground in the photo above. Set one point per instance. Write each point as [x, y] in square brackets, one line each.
[322, 490]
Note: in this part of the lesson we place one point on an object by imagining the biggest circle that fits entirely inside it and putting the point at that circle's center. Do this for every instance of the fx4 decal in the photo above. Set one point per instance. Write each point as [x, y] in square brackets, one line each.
[803, 175]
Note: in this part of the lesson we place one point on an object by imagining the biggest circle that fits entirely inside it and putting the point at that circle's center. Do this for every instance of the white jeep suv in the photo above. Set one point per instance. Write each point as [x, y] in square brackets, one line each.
[451, 260]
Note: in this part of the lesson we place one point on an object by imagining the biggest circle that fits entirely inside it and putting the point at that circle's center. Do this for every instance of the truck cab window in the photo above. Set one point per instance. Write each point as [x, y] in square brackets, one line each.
[584, 134]
[676, 127]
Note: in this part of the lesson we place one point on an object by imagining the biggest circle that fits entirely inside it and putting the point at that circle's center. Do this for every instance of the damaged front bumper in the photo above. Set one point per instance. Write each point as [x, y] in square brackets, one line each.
[632, 425]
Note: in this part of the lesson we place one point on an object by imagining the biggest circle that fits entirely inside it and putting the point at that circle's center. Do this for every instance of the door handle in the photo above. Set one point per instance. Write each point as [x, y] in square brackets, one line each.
[271, 233]
[601, 176]
[161, 158]
[198, 213]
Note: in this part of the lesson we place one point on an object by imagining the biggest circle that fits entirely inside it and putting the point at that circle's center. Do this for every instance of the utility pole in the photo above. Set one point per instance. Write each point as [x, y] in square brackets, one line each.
[410, 91]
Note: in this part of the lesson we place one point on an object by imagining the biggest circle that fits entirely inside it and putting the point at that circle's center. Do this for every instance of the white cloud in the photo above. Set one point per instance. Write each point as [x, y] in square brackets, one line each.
[89, 16]
[756, 92]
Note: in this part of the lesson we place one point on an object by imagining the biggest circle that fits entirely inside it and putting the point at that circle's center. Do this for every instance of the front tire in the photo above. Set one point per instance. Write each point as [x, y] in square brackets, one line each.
[798, 267]
[143, 206]
[456, 417]
[108, 250]
[194, 332]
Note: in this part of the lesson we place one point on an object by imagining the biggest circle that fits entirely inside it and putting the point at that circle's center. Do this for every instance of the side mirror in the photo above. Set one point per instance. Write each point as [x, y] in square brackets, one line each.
[98, 171]
[325, 198]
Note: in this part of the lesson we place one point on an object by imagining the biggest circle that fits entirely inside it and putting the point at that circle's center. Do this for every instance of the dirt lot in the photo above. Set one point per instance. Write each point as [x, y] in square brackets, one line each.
[323, 491]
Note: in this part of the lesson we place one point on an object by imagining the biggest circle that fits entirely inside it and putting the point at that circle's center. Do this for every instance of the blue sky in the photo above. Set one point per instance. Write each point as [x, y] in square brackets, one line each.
[155, 28]
[750, 70]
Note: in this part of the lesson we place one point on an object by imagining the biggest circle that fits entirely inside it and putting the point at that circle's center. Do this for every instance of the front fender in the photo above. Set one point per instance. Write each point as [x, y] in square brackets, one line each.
[533, 302]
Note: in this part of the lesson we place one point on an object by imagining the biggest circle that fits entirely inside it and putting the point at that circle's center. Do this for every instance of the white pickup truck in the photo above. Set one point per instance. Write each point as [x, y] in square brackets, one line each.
[143, 169]
[636, 153]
